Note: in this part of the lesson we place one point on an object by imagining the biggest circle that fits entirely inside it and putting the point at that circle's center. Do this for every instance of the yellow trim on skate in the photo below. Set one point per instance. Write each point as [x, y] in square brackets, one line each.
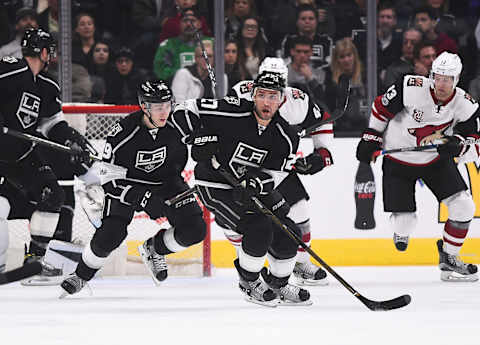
[351, 252]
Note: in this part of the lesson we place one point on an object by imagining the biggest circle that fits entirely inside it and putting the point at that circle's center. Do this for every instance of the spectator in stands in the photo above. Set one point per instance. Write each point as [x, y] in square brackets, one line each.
[235, 71]
[307, 26]
[101, 66]
[123, 81]
[172, 23]
[302, 74]
[423, 55]
[25, 18]
[426, 22]
[325, 20]
[83, 40]
[235, 13]
[194, 81]
[347, 15]
[48, 15]
[252, 45]
[345, 60]
[404, 64]
[389, 41]
[178, 52]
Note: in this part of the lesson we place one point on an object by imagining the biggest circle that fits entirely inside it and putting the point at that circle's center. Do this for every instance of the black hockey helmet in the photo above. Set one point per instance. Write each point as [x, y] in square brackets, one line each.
[34, 40]
[270, 80]
[154, 91]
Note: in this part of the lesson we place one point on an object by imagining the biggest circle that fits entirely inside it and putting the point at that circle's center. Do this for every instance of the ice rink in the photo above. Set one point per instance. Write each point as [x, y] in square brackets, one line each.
[131, 310]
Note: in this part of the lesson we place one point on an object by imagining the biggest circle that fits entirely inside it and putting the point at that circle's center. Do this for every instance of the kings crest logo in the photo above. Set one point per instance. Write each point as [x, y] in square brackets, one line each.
[246, 155]
[417, 115]
[148, 161]
[28, 110]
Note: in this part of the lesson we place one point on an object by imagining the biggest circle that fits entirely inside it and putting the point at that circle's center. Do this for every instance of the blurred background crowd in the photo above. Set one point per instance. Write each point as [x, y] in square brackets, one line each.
[118, 43]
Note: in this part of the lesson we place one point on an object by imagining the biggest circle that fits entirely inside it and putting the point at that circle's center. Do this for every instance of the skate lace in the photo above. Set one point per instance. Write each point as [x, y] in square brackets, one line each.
[258, 286]
[456, 261]
[307, 268]
[77, 282]
[159, 261]
[289, 290]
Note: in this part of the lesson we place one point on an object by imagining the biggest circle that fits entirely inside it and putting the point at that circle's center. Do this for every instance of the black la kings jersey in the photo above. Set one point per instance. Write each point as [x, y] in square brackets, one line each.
[27, 103]
[152, 156]
[242, 142]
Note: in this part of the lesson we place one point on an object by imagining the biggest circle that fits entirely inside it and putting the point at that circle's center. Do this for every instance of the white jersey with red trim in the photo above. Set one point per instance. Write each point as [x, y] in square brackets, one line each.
[410, 115]
[296, 109]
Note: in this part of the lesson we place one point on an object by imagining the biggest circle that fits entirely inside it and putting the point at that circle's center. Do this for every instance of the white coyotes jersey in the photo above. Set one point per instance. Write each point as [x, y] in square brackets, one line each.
[296, 109]
[422, 120]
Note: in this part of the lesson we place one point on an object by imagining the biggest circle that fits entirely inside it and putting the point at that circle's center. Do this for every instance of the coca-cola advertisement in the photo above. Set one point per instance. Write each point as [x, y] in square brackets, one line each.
[364, 193]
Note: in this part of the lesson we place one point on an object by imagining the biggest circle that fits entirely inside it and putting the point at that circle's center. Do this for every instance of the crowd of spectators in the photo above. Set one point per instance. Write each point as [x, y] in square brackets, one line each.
[118, 43]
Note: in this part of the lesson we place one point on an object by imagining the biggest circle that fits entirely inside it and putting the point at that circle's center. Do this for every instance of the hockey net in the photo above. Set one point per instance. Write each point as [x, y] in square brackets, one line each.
[94, 121]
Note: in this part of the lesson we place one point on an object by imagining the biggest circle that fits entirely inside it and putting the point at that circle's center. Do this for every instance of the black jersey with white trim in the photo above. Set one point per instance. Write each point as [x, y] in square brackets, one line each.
[242, 141]
[152, 157]
[26, 102]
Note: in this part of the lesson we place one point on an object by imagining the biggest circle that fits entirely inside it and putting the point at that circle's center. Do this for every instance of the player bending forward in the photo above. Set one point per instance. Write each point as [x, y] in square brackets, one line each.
[297, 109]
[417, 111]
[254, 144]
[148, 145]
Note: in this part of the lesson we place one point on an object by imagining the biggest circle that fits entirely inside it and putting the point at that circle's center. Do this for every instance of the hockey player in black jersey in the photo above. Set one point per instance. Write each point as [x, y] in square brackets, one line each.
[256, 145]
[30, 102]
[149, 146]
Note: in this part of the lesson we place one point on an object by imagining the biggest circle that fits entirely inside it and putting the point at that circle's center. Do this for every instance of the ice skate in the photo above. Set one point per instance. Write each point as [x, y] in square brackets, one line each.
[72, 285]
[453, 269]
[288, 294]
[49, 275]
[401, 242]
[256, 291]
[155, 263]
[308, 274]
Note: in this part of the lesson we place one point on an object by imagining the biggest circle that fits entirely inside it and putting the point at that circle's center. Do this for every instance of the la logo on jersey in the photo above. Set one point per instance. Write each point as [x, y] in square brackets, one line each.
[148, 161]
[246, 155]
[28, 110]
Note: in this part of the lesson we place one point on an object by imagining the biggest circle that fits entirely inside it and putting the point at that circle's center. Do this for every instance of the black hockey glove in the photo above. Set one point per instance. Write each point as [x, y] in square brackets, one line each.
[314, 162]
[254, 183]
[146, 199]
[204, 145]
[454, 146]
[371, 141]
[276, 203]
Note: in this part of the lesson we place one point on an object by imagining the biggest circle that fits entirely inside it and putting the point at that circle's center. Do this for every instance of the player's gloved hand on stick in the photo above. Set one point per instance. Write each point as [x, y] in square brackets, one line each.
[371, 141]
[146, 199]
[204, 145]
[79, 155]
[314, 162]
[276, 203]
[254, 183]
[454, 146]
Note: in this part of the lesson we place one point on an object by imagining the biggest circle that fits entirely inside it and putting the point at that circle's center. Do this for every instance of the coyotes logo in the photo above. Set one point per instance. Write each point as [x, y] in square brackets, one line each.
[428, 134]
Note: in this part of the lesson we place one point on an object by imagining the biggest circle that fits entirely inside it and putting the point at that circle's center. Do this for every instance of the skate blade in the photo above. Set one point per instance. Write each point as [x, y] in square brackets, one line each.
[272, 304]
[453, 277]
[287, 303]
[42, 281]
[143, 256]
[310, 282]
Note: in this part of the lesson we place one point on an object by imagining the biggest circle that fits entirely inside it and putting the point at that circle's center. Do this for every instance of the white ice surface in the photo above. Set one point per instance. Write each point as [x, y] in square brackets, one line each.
[131, 310]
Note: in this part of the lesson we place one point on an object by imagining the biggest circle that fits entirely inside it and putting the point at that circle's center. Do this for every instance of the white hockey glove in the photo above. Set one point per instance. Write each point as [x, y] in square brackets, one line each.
[103, 172]
[91, 200]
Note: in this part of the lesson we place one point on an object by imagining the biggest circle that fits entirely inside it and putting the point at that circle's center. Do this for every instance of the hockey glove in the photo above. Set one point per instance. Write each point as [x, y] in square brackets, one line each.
[371, 141]
[204, 145]
[314, 162]
[146, 199]
[454, 146]
[254, 183]
[276, 203]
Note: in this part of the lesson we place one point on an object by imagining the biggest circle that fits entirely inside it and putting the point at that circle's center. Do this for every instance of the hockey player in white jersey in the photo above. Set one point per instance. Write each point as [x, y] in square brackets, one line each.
[298, 109]
[417, 111]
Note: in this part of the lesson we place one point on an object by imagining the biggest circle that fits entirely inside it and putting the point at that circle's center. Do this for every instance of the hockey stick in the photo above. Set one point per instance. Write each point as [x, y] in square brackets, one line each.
[424, 147]
[395, 303]
[181, 196]
[20, 273]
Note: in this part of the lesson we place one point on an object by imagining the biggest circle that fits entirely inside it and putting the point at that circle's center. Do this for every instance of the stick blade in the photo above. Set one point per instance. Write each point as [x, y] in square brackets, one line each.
[20, 273]
[396, 303]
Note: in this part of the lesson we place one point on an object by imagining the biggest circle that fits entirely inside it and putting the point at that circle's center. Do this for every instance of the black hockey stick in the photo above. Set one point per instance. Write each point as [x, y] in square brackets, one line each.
[181, 196]
[395, 303]
[424, 147]
[20, 273]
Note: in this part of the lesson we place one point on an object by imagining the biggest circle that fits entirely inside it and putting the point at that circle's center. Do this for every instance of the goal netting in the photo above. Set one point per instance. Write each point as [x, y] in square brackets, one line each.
[94, 121]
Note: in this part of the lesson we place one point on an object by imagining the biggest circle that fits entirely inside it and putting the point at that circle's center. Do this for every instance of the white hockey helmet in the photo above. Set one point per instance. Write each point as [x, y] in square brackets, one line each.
[447, 64]
[274, 65]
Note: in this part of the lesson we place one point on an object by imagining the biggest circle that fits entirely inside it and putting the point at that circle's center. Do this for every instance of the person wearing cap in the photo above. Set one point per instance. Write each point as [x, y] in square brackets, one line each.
[121, 83]
[178, 52]
[25, 18]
